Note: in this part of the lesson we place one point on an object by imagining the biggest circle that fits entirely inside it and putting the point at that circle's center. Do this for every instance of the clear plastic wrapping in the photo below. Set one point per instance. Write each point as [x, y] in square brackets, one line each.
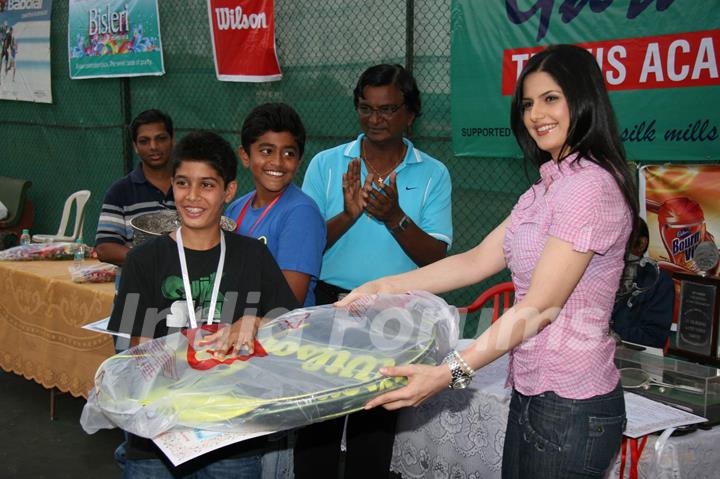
[42, 252]
[93, 273]
[309, 365]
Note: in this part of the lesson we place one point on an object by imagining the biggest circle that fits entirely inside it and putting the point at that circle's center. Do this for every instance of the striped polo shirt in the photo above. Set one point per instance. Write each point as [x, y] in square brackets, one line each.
[130, 196]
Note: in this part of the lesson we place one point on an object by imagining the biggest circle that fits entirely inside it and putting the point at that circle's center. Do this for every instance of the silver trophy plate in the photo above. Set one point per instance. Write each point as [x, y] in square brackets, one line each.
[706, 256]
[158, 223]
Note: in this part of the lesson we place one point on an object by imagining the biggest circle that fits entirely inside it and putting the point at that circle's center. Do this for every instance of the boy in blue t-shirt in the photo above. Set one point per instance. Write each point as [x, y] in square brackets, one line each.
[277, 212]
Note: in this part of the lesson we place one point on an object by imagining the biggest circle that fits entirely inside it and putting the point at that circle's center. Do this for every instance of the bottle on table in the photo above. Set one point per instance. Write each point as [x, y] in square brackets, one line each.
[79, 252]
[25, 238]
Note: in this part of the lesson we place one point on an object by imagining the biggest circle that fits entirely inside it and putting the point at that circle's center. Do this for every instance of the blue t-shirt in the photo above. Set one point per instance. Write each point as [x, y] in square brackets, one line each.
[293, 230]
[368, 250]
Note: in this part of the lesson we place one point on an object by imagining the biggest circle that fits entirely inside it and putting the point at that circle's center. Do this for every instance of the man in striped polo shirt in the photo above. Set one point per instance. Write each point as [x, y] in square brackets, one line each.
[146, 189]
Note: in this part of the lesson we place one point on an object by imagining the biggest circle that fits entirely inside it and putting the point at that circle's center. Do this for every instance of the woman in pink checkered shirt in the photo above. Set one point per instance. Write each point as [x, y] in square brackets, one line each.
[564, 243]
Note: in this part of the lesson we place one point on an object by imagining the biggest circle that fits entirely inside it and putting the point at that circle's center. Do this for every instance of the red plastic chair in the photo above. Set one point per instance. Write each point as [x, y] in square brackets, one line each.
[503, 290]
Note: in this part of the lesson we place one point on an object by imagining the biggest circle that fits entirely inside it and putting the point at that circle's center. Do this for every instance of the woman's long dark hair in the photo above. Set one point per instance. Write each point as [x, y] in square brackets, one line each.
[593, 131]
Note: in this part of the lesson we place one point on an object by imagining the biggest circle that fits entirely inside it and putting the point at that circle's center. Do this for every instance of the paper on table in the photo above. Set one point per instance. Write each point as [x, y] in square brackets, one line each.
[182, 445]
[101, 326]
[645, 416]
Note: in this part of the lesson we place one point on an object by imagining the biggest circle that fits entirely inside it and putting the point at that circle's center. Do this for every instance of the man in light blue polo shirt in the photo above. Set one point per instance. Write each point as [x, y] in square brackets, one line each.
[388, 210]
[370, 249]
[407, 224]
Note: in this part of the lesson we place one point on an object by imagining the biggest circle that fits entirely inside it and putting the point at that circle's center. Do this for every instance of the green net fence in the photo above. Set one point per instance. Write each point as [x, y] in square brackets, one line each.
[77, 142]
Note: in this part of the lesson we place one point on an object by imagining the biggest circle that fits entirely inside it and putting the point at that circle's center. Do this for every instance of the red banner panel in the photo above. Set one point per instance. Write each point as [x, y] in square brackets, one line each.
[663, 61]
[243, 35]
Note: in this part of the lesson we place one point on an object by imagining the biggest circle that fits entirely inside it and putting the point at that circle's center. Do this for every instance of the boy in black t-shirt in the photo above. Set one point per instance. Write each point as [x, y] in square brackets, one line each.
[152, 300]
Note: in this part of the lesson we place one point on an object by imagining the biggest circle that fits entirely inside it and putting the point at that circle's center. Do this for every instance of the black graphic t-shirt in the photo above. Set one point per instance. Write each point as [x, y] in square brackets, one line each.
[151, 285]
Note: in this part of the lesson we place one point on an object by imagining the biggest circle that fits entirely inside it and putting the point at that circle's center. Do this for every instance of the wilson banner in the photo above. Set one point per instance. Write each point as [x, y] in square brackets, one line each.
[243, 36]
[658, 57]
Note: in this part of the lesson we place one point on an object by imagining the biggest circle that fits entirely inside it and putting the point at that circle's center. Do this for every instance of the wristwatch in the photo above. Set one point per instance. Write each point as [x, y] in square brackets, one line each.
[461, 373]
[401, 226]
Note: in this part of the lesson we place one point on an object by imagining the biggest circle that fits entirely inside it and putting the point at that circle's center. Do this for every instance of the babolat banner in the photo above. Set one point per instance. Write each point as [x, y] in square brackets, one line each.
[114, 38]
[659, 59]
[25, 43]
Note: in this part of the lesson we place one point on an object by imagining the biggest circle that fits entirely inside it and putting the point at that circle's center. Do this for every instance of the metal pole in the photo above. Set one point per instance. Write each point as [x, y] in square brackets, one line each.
[410, 43]
[409, 35]
[125, 107]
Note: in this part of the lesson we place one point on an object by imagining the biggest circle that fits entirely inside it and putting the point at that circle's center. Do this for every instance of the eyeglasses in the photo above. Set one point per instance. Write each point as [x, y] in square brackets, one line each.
[385, 111]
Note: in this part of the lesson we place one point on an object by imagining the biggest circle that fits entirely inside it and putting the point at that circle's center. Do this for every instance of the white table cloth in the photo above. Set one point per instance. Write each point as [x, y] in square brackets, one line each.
[460, 434]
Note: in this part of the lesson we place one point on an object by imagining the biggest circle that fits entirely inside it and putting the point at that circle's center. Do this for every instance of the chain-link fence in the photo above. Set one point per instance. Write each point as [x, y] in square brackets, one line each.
[77, 142]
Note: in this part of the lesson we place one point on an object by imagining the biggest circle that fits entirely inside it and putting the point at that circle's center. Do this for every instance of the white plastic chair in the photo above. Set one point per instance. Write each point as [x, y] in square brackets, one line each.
[80, 198]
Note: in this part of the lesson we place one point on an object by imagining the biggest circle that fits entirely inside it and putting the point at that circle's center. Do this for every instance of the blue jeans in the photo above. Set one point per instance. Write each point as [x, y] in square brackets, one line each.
[549, 436]
[120, 458]
[235, 468]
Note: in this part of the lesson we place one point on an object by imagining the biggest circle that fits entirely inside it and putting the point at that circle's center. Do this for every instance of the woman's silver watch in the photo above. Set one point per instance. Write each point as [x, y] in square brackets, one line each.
[461, 373]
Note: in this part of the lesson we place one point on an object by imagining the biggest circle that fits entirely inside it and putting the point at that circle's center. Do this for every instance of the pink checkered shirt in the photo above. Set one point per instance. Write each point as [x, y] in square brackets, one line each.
[579, 203]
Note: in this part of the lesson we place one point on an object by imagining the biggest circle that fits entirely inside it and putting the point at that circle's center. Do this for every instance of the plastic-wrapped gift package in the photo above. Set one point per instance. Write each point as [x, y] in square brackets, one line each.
[93, 273]
[42, 252]
[309, 365]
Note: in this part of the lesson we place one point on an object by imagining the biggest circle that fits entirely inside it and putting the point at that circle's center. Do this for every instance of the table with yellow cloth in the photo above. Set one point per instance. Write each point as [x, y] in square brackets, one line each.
[41, 317]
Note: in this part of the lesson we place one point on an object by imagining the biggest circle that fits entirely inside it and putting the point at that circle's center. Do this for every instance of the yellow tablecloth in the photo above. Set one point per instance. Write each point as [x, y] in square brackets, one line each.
[41, 314]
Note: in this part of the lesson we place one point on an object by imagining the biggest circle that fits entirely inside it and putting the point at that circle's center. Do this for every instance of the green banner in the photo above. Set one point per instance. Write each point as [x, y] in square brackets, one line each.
[659, 59]
[114, 38]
